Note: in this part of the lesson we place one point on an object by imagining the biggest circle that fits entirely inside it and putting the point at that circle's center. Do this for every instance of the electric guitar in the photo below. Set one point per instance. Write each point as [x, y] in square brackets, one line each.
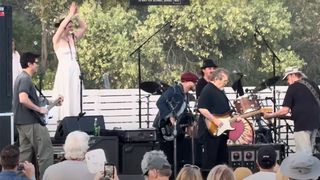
[44, 118]
[227, 121]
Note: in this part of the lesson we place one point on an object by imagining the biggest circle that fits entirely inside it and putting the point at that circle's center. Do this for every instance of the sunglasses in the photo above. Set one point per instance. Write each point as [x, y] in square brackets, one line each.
[192, 166]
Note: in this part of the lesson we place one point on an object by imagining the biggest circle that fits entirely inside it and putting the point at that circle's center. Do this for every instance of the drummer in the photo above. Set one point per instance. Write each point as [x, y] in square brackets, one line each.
[206, 70]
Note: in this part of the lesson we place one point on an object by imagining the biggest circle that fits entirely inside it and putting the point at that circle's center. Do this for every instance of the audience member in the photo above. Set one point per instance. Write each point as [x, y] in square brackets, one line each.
[221, 172]
[301, 165]
[242, 172]
[267, 160]
[280, 176]
[155, 166]
[74, 167]
[189, 172]
[10, 163]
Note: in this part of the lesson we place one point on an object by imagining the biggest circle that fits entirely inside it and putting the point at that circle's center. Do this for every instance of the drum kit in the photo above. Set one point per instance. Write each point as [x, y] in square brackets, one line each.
[255, 129]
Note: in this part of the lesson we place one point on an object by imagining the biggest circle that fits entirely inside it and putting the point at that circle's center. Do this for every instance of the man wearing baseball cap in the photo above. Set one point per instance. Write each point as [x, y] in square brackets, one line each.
[266, 161]
[155, 165]
[302, 101]
[172, 107]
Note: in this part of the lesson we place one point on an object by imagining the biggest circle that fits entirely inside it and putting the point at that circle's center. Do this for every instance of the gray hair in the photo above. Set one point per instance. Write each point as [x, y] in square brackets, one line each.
[76, 145]
[217, 74]
[156, 160]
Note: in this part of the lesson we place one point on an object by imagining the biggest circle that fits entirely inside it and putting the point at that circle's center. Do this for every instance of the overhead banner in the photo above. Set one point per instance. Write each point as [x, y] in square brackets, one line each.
[159, 2]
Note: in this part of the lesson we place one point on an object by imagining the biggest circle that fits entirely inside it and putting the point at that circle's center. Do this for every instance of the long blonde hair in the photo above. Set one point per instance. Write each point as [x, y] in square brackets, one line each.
[221, 172]
[189, 173]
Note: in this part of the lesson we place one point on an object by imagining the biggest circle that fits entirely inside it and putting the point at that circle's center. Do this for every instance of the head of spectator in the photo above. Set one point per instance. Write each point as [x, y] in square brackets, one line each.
[76, 145]
[267, 158]
[221, 172]
[280, 176]
[301, 165]
[189, 172]
[10, 163]
[242, 172]
[155, 166]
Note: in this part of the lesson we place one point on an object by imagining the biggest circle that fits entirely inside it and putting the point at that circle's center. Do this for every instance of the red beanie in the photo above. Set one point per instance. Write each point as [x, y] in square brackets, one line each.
[188, 76]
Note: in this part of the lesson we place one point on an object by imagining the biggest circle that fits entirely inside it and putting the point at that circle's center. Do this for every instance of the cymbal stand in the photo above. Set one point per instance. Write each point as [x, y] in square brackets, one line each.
[138, 51]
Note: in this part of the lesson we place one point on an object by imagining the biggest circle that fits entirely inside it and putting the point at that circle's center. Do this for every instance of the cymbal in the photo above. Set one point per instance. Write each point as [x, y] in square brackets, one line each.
[153, 87]
[264, 84]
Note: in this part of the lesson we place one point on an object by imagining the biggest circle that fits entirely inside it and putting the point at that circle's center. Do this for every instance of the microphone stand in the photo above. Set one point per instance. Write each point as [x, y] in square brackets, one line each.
[274, 58]
[138, 51]
[81, 113]
[175, 132]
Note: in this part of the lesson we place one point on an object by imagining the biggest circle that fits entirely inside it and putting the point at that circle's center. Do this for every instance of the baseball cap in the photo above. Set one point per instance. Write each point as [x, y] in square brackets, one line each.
[267, 157]
[154, 160]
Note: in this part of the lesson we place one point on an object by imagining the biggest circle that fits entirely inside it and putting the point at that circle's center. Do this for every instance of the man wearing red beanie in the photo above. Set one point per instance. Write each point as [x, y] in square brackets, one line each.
[172, 107]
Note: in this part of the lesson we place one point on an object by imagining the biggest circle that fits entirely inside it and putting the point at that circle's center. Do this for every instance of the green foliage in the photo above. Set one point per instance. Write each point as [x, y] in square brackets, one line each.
[222, 30]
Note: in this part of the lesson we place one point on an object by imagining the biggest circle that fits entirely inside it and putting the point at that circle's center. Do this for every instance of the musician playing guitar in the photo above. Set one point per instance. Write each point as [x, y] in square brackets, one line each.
[302, 101]
[34, 138]
[213, 101]
[172, 108]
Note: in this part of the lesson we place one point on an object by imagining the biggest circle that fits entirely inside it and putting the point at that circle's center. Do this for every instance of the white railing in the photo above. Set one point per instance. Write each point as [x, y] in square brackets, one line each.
[120, 107]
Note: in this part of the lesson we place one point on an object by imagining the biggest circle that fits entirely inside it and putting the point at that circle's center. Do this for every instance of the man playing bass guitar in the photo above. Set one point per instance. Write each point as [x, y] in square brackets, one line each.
[173, 109]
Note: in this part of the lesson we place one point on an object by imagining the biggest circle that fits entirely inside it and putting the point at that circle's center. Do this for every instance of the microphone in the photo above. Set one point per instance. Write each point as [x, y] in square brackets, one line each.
[238, 73]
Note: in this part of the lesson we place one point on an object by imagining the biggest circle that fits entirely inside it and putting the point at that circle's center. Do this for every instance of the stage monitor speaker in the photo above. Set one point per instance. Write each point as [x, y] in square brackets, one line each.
[5, 72]
[132, 154]
[72, 123]
[246, 155]
[110, 145]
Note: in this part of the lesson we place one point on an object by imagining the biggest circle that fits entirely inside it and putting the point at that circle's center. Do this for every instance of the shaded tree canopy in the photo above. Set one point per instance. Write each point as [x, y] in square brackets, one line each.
[222, 30]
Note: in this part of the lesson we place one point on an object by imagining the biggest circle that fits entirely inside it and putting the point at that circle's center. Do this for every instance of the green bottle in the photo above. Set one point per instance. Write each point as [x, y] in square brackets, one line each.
[96, 127]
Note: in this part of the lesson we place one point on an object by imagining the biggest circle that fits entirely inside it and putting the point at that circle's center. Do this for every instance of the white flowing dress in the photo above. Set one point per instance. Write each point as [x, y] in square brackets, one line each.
[67, 83]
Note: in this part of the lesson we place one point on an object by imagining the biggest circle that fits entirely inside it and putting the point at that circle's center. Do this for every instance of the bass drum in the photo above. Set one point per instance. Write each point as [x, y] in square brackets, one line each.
[243, 133]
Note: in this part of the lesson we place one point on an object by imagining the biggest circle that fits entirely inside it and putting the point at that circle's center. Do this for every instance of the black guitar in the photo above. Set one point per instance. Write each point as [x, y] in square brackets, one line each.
[44, 118]
[167, 129]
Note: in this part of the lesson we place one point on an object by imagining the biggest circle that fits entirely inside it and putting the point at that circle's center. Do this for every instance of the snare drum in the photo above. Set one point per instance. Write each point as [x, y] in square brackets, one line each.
[246, 104]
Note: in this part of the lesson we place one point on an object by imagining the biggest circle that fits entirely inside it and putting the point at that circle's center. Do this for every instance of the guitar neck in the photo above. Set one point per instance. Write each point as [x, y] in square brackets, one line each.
[246, 115]
[51, 105]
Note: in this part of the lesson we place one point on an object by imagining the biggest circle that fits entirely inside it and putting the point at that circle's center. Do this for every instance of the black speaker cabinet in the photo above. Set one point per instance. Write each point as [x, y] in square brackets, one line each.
[5, 72]
[110, 145]
[132, 154]
[246, 155]
[72, 123]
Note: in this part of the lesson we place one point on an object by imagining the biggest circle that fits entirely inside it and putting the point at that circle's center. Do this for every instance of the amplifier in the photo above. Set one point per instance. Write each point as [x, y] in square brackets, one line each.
[246, 155]
[137, 135]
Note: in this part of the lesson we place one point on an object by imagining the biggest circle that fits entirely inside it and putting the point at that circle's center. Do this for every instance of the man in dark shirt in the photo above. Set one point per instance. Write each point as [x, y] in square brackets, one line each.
[213, 101]
[34, 139]
[304, 109]
[206, 70]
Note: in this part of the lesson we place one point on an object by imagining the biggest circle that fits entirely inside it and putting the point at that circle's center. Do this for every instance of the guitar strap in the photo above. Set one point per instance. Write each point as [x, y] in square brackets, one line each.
[312, 89]
[42, 95]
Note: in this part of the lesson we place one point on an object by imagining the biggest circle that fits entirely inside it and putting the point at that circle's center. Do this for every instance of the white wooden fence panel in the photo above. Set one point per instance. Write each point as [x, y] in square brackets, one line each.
[120, 107]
